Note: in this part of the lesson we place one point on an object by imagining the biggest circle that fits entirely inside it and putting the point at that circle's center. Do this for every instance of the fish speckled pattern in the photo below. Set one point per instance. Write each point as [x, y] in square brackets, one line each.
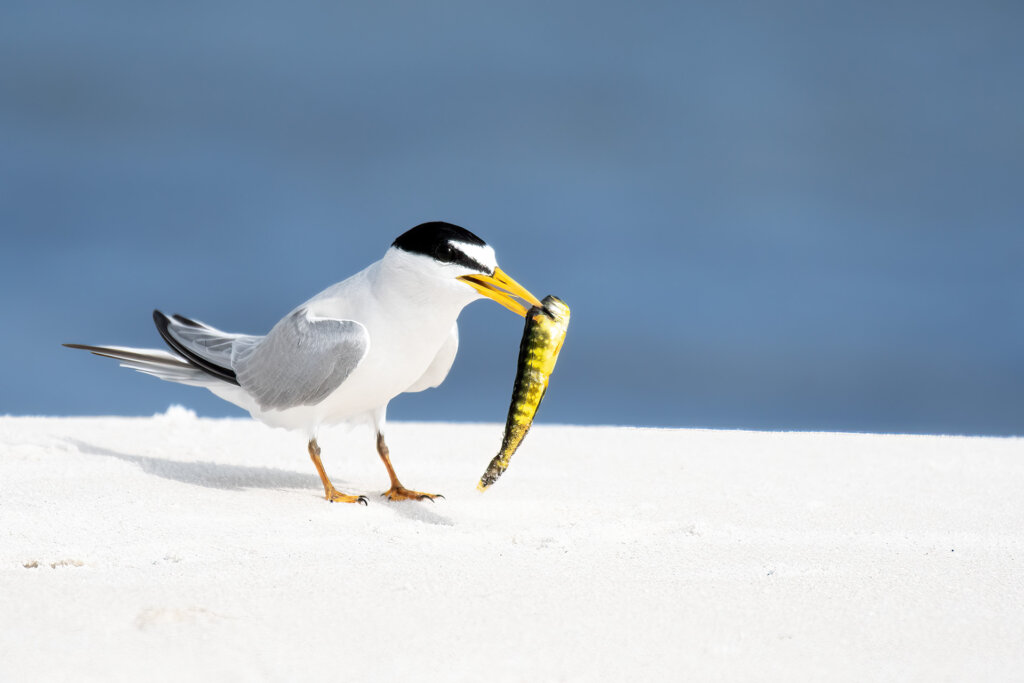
[543, 335]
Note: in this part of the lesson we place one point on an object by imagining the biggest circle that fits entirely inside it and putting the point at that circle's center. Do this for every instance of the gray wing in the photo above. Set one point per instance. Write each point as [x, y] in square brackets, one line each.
[301, 361]
[441, 364]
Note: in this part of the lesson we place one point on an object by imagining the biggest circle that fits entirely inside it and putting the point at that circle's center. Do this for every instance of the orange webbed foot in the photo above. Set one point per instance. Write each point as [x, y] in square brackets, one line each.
[335, 496]
[399, 492]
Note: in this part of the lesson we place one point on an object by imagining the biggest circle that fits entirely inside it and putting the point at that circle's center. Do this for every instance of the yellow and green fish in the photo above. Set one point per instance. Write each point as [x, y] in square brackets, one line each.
[543, 335]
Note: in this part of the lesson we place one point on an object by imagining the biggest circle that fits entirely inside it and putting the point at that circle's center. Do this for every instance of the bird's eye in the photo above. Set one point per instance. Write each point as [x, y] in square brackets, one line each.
[447, 252]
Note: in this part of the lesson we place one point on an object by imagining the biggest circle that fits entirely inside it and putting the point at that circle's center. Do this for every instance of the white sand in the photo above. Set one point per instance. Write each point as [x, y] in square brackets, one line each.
[176, 548]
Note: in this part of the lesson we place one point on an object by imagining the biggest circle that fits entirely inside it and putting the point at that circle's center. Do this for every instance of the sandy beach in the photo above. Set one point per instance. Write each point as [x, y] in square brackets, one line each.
[179, 548]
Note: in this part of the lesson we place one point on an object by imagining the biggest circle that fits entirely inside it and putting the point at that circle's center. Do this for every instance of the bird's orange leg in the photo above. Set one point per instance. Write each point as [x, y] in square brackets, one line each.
[397, 491]
[332, 494]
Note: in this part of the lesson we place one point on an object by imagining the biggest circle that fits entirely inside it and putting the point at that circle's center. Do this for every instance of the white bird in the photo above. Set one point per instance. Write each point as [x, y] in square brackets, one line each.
[344, 354]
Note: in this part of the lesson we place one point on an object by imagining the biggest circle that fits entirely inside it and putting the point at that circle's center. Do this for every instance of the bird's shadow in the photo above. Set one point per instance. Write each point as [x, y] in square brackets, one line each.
[208, 474]
[238, 477]
[418, 511]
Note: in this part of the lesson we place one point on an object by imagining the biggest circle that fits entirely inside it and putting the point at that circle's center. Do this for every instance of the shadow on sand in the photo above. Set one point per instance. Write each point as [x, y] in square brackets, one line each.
[239, 477]
[209, 474]
[419, 511]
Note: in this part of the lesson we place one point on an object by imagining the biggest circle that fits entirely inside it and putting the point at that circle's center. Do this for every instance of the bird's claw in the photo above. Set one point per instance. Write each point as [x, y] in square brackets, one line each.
[399, 492]
[336, 496]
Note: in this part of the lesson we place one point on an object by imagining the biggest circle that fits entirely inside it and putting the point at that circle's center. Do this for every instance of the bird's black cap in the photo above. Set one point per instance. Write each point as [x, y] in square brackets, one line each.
[435, 240]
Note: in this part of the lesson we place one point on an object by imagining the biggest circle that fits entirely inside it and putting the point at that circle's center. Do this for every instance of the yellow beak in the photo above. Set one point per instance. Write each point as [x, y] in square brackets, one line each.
[502, 289]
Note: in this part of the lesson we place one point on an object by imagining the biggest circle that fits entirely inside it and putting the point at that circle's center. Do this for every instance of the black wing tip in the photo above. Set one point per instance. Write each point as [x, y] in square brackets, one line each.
[163, 324]
[161, 318]
[187, 321]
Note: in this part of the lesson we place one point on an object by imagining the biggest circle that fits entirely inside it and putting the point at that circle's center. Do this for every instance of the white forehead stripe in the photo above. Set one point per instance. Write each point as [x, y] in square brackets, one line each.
[481, 253]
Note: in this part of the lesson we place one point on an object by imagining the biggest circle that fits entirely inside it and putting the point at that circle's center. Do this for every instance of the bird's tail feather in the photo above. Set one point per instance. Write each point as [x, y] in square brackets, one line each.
[155, 362]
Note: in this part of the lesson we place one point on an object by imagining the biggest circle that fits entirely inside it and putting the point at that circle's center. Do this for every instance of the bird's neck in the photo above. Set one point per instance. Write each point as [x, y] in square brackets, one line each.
[398, 286]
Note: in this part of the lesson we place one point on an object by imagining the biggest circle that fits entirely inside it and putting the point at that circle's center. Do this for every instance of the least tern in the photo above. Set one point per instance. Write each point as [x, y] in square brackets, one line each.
[345, 353]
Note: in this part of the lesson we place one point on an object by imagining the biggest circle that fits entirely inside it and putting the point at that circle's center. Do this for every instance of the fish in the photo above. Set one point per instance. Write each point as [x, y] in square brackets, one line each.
[543, 335]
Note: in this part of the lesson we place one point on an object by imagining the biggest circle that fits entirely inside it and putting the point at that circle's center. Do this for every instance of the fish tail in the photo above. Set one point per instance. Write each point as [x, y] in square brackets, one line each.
[499, 463]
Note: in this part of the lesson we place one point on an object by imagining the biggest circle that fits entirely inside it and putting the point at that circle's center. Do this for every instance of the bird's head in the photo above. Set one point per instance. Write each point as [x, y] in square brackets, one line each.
[458, 256]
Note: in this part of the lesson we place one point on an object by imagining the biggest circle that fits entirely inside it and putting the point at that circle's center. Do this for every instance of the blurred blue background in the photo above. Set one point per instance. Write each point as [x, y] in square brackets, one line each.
[788, 215]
